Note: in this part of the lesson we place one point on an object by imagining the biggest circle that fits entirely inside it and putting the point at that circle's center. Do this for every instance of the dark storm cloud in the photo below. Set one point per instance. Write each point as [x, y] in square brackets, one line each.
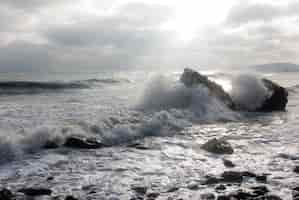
[247, 12]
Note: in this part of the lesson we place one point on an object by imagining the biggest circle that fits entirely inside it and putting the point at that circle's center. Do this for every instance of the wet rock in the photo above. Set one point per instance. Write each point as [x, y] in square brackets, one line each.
[36, 191]
[173, 189]
[210, 180]
[295, 193]
[235, 176]
[70, 197]
[232, 176]
[83, 143]
[228, 163]
[254, 193]
[50, 178]
[260, 190]
[193, 186]
[6, 194]
[141, 190]
[269, 197]
[51, 145]
[218, 146]
[261, 178]
[208, 196]
[278, 99]
[296, 169]
[192, 78]
[139, 146]
[152, 195]
[220, 187]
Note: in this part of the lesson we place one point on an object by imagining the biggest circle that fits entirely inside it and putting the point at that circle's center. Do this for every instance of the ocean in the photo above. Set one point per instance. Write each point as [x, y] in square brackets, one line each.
[152, 127]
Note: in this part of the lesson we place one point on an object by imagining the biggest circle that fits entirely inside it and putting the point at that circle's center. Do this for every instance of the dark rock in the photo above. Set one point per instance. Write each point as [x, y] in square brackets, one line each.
[70, 197]
[223, 197]
[83, 143]
[249, 174]
[260, 190]
[296, 193]
[50, 145]
[36, 191]
[269, 197]
[140, 189]
[210, 180]
[261, 178]
[232, 176]
[192, 78]
[296, 169]
[50, 178]
[152, 195]
[228, 163]
[193, 186]
[6, 194]
[278, 99]
[208, 196]
[138, 146]
[275, 101]
[173, 189]
[137, 198]
[220, 187]
[218, 146]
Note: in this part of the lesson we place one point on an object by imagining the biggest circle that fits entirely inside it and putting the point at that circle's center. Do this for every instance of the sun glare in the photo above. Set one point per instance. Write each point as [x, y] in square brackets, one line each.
[192, 16]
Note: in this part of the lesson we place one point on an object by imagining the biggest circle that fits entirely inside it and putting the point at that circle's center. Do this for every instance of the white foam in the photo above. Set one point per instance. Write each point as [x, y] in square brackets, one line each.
[248, 91]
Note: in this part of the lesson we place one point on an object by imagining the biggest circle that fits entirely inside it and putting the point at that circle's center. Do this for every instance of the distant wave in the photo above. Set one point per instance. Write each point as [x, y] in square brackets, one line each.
[24, 87]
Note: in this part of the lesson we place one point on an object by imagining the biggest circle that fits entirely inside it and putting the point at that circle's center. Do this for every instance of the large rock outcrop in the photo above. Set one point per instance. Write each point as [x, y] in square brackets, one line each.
[192, 78]
[276, 100]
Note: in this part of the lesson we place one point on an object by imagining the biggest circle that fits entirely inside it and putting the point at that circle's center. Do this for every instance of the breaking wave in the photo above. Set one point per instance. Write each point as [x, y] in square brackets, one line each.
[28, 87]
[166, 107]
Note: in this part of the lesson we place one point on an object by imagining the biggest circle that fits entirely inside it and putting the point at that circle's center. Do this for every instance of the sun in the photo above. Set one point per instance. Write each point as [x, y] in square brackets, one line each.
[190, 17]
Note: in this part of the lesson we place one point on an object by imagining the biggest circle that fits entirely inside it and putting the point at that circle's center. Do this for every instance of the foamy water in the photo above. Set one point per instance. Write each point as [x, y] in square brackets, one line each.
[160, 113]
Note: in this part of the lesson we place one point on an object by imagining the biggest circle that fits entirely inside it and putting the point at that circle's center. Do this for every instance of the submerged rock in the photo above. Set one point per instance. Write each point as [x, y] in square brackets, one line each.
[83, 143]
[257, 193]
[296, 193]
[6, 194]
[70, 197]
[36, 191]
[228, 163]
[51, 145]
[218, 146]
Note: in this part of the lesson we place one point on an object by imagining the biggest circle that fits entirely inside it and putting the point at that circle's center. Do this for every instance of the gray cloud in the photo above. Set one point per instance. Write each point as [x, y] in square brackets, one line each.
[132, 36]
[30, 4]
[247, 12]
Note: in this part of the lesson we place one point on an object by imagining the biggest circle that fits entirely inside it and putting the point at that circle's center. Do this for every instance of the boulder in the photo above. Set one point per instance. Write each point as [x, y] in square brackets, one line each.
[228, 163]
[296, 169]
[276, 100]
[36, 191]
[83, 143]
[192, 78]
[218, 146]
[6, 194]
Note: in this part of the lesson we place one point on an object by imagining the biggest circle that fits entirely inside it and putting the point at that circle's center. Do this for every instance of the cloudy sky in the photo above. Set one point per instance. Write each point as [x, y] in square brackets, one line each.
[58, 35]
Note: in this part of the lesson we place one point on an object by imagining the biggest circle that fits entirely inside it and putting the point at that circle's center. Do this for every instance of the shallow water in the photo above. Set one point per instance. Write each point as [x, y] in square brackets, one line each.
[263, 143]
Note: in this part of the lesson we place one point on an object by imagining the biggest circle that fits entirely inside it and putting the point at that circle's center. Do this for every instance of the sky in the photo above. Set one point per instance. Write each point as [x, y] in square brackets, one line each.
[63, 35]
